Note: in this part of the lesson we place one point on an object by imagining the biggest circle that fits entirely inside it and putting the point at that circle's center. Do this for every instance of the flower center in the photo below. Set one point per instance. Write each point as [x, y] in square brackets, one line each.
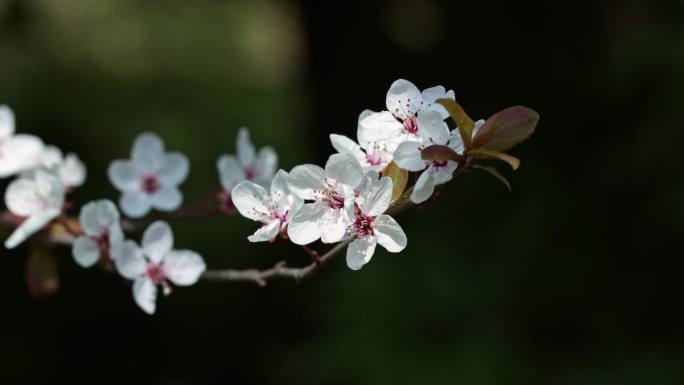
[150, 184]
[411, 126]
[334, 199]
[363, 225]
[155, 271]
[441, 164]
[102, 242]
[250, 173]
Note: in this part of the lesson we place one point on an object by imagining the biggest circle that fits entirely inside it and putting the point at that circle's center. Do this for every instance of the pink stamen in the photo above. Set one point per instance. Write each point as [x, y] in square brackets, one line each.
[250, 173]
[150, 184]
[411, 126]
[155, 272]
[334, 199]
[441, 164]
[363, 225]
[102, 242]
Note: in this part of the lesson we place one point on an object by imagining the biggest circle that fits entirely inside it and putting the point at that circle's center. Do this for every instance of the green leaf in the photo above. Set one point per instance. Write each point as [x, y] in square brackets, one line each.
[506, 128]
[42, 276]
[495, 173]
[489, 154]
[463, 122]
[439, 153]
[399, 178]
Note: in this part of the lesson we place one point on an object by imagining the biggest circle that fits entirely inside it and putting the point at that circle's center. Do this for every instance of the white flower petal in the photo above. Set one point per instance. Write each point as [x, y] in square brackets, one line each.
[30, 226]
[72, 171]
[124, 175]
[183, 267]
[408, 156]
[389, 234]
[167, 198]
[279, 187]
[266, 166]
[244, 148]
[444, 174]
[174, 170]
[230, 172]
[380, 199]
[148, 152]
[345, 169]
[129, 260]
[22, 198]
[98, 216]
[360, 252]
[6, 122]
[431, 95]
[432, 128]
[334, 224]
[19, 153]
[305, 179]
[157, 241]
[364, 114]
[304, 227]
[135, 204]
[116, 236]
[145, 294]
[85, 251]
[266, 233]
[403, 99]
[345, 145]
[381, 128]
[424, 187]
[251, 201]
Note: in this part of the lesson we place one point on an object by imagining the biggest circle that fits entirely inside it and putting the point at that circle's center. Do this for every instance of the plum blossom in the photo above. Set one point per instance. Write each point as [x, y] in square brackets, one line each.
[17, 152]
[156, 264]
[38, 198]
[69, 168]
[150, 179]
[400, 122]
[101, 225]
[331, 192]
[272, 210]
[246, 164]
[408, 155]
[371, 226]
[371, 156]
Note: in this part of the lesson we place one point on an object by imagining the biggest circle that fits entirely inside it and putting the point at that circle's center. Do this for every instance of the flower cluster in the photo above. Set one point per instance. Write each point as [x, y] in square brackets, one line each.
[347, 201]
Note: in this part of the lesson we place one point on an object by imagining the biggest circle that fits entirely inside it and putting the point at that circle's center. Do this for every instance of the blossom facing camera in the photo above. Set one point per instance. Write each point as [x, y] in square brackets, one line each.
[150, 179]
[370, 226]
[102, 232]
[156, 264]
[247, 164]
[38, 198]
[272, 210]
[399, 123]
[18, 152]
[331, 193]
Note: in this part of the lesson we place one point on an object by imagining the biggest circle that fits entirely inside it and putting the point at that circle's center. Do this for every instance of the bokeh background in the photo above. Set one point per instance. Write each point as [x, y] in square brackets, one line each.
[573, 278]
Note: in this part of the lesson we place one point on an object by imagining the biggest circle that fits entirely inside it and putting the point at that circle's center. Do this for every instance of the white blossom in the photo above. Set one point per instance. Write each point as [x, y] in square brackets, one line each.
[102, 232]
[150, 179]
[38, 198]
[156, 264]
[18, 152]
[69, 168]
[409, 155]
[273, 210]
[247, 164]
[399, 123]
[331, 192]
[371, 226]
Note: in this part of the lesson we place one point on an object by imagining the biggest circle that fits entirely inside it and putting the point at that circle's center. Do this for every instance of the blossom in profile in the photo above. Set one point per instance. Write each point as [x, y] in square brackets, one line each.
[102, 232]
[156, 264]
[18, 152]
[370, 226]
[331, 193]
[69, 168]
[150, 179]
[272, 209]
[399, 123]
[247, 164]
[38, 199]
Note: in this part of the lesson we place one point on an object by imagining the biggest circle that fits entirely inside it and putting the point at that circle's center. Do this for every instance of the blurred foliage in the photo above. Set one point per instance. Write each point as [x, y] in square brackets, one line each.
[572, 278]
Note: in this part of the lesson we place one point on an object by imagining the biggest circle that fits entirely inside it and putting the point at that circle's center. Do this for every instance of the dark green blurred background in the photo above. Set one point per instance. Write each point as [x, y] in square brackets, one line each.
[573, 278]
